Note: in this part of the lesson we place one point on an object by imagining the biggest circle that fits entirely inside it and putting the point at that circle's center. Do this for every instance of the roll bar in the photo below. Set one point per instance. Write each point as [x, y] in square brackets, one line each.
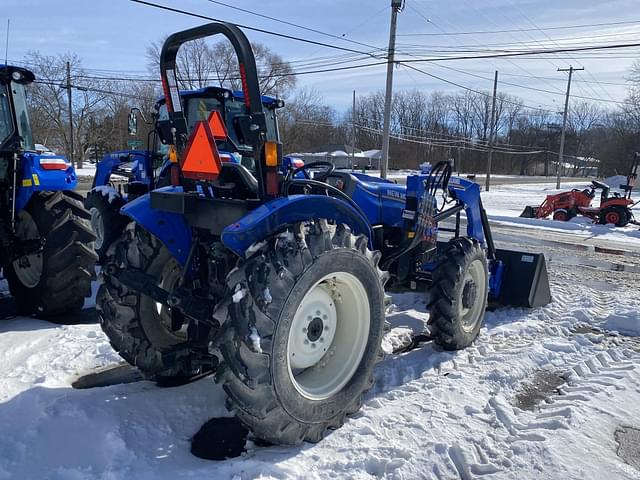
[246, 62]
[252, 126]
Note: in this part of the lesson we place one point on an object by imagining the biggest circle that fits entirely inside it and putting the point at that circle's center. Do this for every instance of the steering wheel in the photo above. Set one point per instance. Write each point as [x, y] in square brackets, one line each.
[321, 177]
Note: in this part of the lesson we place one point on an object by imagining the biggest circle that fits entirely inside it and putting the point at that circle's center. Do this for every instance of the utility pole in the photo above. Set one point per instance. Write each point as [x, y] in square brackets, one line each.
[492, 132]
[564, 121]
[353, 131]
[396, 6]
[68, 87]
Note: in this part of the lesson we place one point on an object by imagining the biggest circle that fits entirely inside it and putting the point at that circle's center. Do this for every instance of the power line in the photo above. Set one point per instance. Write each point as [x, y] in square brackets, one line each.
[519, 30]
[291, 24]
[247, 27]
[460, 57]
[531, 88]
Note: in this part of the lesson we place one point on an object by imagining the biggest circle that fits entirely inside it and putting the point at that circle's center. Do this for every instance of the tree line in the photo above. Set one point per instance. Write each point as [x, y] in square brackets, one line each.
[425, 126]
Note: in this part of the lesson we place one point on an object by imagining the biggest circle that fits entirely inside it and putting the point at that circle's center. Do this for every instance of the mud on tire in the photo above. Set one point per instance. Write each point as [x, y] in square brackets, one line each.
[131, 320]
[263, 390]
[458, 299]
[67, 259]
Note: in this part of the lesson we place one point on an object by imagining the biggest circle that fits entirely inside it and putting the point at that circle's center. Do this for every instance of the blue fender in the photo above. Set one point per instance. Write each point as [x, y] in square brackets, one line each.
[271, 217]
[170, 228]
[32, 177]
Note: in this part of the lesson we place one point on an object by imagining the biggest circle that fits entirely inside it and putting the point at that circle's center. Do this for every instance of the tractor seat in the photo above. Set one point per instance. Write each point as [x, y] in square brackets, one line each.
[237, 180]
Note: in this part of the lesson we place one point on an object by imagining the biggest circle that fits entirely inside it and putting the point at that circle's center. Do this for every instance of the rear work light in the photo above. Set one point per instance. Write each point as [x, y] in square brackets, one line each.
[271, 154]
[54, 163]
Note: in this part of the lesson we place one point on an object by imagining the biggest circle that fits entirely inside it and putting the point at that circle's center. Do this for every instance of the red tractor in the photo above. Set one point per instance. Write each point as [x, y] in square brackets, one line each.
[615, 209]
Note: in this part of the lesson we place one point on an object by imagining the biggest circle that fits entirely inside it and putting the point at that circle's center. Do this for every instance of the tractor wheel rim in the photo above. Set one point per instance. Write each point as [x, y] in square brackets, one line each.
[97, 226]
[475, 277]
[612, 217]
[169, 279]
[28, 268]
[328, 336]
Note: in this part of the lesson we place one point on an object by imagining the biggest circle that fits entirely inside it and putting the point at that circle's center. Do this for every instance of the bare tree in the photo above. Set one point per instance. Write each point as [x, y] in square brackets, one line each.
[200, 64]
[48, 101]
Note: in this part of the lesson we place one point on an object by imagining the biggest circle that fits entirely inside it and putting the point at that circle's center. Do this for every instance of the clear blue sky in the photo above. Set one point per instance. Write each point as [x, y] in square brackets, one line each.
[113, 35]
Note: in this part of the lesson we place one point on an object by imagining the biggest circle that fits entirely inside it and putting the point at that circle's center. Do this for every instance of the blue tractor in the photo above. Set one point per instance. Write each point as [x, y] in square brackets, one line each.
[276, 281]
[47, 252]
[125, 175]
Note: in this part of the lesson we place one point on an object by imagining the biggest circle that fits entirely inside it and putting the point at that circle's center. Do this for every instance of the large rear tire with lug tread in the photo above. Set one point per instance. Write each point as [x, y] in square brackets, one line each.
[618, 216]
[139, 329]
[304, 331]
[56, 280]
[459, 294]
[103, 204]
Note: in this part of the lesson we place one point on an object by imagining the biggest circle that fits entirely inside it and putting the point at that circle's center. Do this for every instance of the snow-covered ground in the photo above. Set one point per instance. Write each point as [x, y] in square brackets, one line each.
[87, 170]
[540, 394]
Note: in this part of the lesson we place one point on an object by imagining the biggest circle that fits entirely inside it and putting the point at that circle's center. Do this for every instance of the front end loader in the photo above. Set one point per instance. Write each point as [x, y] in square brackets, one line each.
[275, 280]
[47, 252]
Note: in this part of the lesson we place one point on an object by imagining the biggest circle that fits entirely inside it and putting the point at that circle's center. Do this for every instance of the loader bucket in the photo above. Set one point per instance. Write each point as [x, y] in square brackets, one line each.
[529, 212]
[525, 282]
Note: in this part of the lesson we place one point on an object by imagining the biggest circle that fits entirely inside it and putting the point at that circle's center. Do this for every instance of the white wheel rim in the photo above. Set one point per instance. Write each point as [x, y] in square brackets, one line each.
[328, 335]
[97, 226]
[470, 312]
[28, 268]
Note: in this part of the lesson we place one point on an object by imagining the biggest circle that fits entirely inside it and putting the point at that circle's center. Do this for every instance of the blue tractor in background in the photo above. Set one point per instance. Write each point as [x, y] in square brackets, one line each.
[47, 254]
[125, 175]
[276, 280]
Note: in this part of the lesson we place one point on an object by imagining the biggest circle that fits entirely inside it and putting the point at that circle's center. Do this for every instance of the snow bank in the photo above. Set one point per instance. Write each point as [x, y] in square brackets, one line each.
[626, 323]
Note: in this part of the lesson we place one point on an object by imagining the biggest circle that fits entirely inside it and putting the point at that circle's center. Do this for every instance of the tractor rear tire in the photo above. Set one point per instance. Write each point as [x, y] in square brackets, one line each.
[56, 280]
[316, 295]
[140, 330]
[459, 294]
[615, 215]
[104, 205]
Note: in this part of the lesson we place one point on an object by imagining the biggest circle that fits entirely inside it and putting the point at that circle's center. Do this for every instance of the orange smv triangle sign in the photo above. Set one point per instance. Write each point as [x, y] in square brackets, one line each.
[217, 125]
[201, 160]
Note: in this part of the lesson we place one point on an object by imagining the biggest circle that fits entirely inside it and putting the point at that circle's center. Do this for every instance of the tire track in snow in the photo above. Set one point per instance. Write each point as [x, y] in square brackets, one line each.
[548, 342]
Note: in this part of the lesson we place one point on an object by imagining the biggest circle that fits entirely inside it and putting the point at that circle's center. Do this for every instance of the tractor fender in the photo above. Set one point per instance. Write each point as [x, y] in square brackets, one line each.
[33, 177]
[170, 228]
[273, 216]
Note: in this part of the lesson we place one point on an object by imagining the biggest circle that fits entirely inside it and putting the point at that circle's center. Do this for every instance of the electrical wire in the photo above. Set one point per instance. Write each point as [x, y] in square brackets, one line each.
[482, 32]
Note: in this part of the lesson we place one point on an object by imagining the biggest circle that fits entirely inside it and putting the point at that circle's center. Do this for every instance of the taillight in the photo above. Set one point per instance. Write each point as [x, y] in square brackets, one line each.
[54, 163]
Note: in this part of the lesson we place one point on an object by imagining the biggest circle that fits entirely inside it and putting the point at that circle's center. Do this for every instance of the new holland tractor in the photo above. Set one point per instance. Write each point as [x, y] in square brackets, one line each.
[125, 175]
[47, 252]
[276, 281]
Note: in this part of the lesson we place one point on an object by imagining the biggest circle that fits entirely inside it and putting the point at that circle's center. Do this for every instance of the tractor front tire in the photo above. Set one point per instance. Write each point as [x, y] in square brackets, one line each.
[56, 280]
[459, 294]
[139, 329]
[104, 203]
[304, 329]
[617, 216]
[563, 215]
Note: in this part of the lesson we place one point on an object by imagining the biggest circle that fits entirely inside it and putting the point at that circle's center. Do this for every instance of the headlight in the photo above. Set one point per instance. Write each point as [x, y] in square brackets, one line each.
[17, 76]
